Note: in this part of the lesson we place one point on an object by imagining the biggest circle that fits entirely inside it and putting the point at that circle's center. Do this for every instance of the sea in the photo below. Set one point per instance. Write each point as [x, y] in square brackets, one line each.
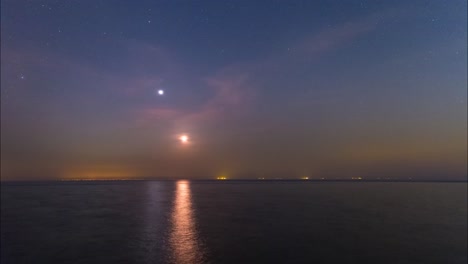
[233, 222]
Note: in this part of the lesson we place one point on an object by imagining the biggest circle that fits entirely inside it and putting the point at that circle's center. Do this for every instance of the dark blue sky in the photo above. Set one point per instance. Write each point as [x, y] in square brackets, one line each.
[333, 89]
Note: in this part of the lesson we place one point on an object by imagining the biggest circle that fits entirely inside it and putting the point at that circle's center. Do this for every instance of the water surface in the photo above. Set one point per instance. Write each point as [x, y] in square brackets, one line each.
[234, 222]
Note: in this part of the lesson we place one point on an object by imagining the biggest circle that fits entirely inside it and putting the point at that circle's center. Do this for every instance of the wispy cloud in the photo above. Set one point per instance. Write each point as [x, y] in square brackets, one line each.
[235, 86]
[230, 96]
[147, 66]
[333, 37]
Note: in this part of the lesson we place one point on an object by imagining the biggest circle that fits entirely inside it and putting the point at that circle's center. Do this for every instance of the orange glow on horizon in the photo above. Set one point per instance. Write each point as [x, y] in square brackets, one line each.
[98, 174]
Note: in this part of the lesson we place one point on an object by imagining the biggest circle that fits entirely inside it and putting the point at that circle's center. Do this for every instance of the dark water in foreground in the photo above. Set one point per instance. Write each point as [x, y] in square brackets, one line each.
[234, 222]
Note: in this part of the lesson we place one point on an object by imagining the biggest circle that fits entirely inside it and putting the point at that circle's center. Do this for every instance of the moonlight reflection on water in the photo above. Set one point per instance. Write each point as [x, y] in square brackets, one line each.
[184, 238]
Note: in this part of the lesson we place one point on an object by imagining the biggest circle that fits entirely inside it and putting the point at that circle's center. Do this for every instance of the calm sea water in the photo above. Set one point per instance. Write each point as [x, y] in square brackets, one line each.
[234, 222]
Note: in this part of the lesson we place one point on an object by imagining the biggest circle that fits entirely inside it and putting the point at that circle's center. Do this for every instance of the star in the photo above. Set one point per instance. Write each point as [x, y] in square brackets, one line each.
[161, 92]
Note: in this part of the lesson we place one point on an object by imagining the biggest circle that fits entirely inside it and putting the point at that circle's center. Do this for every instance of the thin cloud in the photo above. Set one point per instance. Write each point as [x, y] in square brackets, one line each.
[235, 86]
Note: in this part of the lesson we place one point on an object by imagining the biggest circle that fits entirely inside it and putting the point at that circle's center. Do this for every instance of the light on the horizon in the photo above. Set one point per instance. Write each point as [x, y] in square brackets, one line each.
[221, 178]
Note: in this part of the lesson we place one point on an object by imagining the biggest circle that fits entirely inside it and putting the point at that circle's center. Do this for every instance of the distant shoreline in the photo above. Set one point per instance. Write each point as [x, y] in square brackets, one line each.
[47, 182]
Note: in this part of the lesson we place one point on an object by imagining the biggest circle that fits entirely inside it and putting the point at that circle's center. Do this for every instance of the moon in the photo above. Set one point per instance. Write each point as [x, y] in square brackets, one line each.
[184, 138]
[161, 92]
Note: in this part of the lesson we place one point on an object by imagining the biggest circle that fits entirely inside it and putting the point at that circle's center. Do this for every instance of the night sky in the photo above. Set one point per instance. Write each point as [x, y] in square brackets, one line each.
[274, 89]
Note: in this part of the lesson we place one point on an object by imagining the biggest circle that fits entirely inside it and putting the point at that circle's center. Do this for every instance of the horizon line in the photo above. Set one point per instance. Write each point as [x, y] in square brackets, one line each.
[232, 180]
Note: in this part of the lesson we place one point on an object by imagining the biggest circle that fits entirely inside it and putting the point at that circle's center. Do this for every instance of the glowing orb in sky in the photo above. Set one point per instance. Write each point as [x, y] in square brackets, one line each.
[161, 92]
[184, 138]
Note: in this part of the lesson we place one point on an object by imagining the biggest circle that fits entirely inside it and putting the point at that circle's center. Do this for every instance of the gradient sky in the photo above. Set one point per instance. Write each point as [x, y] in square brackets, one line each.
[333, 89]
